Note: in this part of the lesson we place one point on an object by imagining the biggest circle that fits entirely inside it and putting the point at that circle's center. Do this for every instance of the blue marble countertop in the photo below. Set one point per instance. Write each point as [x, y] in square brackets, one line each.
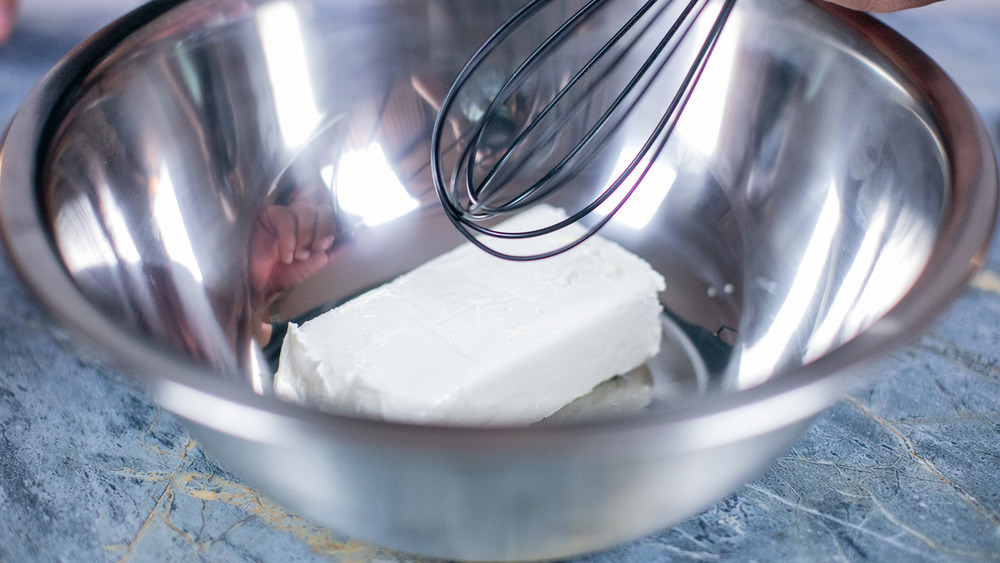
[906, 467]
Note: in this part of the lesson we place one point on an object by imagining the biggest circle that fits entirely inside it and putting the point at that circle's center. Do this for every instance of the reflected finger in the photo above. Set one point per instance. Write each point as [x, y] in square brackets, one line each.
[306, 217]
[281, 222]
[325, 228]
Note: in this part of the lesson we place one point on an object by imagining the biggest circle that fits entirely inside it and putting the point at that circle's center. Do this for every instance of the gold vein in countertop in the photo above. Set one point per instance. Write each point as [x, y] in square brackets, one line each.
[987, 280]
[213, 488]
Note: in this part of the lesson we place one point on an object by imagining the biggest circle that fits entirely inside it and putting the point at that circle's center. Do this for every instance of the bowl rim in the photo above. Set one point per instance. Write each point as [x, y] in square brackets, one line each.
[194, 393]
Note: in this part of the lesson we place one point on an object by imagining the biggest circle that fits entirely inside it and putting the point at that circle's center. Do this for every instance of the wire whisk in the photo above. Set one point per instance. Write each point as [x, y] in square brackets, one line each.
[525, 122]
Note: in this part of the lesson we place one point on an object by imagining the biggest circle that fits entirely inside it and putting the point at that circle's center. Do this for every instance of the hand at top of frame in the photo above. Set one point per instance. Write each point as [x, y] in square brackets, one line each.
[882, 5]
[8, 15]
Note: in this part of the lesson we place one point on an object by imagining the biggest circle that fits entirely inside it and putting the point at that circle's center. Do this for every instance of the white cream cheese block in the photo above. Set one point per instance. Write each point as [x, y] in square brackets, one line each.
[470, 339]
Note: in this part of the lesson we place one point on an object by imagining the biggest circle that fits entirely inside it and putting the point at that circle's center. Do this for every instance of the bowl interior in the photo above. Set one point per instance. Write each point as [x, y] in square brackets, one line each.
[797, 201]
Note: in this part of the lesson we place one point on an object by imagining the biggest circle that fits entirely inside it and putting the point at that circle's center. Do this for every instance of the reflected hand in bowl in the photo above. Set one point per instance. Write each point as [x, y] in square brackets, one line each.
[290, 243]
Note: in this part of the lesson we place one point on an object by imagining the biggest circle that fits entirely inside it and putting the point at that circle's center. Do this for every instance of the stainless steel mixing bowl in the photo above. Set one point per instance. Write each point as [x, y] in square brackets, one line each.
[827, 194]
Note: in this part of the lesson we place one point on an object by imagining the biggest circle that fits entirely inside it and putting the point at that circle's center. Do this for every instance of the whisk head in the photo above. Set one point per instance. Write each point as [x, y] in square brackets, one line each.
[528, 121]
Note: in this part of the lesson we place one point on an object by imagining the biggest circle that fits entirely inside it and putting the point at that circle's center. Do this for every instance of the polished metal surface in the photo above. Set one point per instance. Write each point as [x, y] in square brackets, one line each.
[201, 172]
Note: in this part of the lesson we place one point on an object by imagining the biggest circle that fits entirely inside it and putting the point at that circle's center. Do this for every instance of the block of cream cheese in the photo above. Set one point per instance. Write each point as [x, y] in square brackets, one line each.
[471, 339]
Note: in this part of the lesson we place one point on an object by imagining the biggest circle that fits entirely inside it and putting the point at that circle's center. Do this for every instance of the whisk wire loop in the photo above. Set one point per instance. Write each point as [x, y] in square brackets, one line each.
[470, 203]
[543, 186]
[517, 77]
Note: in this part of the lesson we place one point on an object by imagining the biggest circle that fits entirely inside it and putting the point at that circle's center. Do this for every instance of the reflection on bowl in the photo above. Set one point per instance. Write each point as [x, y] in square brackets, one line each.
[827, 193]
